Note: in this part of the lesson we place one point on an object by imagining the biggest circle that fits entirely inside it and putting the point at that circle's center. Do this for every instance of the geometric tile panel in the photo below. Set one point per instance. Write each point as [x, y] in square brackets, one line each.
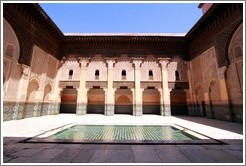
[122, 132]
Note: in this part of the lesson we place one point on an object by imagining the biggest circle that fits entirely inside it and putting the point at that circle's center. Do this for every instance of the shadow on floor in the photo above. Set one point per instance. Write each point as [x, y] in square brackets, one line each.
[225, 125]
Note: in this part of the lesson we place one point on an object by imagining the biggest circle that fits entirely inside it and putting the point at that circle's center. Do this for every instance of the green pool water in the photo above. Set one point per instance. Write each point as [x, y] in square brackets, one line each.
[122, 133]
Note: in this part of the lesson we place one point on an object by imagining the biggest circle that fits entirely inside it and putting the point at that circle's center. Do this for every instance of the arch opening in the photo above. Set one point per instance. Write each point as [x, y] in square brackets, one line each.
[151, 101]
[96, 101]
[123, 101]
[68, 101]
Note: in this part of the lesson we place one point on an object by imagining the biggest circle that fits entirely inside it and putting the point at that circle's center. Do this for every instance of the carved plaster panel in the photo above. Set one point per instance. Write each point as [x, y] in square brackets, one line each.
[209, 66]
[123, 65]
[177, 64]
[154, 67]
[129, 85]
[91, 69]
[70, 64]
[101, 84]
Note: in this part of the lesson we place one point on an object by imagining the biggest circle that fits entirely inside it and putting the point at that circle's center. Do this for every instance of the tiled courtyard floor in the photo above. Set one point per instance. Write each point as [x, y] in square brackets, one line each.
[15, 152]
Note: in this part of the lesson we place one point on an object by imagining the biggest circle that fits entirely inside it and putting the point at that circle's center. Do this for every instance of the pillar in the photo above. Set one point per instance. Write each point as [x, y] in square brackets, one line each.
[19, 106]
[138, 95]
[55, 96]
[161, 102]
[23, 86]
[109, 100]
[190, 100]
[82, 91]
[165, 91]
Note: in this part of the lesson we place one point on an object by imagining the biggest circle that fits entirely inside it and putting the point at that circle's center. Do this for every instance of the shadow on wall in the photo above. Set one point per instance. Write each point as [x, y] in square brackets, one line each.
[68, 100]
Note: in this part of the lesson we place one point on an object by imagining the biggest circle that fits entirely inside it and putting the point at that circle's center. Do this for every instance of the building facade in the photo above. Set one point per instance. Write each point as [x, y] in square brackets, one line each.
[46, 72]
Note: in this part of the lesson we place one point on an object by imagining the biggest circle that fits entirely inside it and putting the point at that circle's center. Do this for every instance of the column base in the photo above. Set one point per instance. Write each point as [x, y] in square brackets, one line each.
[81, 108]
[138, 110]
[166, 110]
[109, 109]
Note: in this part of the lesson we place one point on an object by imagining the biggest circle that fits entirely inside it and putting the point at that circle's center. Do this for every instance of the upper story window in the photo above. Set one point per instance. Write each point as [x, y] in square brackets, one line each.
[151, 75]
[97, 74]
[177, 76]
[70, 75]
[123, 74]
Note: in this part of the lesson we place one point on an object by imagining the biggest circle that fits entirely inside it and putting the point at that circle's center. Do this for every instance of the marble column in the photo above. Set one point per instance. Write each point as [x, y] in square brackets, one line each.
[23, 86]
[191, 101]
[55, 96]
[161, 101]
[19, 106]
[165, 91]
[109, 101]
[138, 95]
[82, 91]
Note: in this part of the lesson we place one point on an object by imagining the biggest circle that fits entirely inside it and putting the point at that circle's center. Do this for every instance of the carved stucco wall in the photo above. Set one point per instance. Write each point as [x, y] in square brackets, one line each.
[210, 73]
[205, 74]
[70, 63]
[43, 68]
[154, 67]
[177, 64]
[97, 63]
[196, 74]
[123, 65]
[234, 72]
[51, 70]
[12, 71]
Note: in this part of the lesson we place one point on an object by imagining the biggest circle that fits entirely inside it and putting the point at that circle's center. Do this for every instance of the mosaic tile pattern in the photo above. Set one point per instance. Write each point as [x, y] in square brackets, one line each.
[21, 110]
[121, 133]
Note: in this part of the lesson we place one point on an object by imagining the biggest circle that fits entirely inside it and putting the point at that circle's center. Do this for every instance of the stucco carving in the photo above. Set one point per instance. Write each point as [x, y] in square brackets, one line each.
[73, 65]
[209, 67]
[123, 65]
[150, 66]
[91, 69]
[179, 65]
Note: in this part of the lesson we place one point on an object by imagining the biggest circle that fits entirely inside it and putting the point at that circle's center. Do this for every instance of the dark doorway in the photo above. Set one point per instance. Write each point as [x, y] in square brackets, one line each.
[123, 101]
[151, 101]
[178, 102]
[96, 101]
[68, 101]
[203, 109]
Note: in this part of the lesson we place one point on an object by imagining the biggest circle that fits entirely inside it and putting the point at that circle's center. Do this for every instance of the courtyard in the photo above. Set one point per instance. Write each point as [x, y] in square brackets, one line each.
[227, 145]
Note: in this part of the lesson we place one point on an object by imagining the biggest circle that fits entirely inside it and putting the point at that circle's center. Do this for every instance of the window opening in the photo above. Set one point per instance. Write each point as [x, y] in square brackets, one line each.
[123, 74]
[151, 75]
[177, 76]
[97, 74]
[70, 74]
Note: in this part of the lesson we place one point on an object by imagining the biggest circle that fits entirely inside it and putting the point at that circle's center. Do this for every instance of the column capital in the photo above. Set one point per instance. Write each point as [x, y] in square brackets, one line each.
[164, 63]
[83, 63]
[25, 70]
[137, 63]
[110, 63]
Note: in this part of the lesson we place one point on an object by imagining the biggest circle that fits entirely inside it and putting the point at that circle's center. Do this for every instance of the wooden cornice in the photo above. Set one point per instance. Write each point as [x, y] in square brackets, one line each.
[33, 26]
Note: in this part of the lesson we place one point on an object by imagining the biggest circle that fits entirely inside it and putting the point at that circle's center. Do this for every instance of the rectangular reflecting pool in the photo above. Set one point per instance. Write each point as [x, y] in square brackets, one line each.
[122, 134]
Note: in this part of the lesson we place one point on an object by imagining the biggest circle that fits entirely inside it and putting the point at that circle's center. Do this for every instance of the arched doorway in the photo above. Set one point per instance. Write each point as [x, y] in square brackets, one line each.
[46, 98]
[123, 101]
[96, 101]
[178, 102]
[234, 75]
[32, 89]
[47, 91]
[151, 101]
[68, 100]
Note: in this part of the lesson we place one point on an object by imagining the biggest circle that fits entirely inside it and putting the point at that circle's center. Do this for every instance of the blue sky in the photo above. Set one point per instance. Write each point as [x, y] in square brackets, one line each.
[123, 17]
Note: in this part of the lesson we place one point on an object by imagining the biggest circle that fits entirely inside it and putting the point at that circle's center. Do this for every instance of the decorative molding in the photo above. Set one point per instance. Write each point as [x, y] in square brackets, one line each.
[101, 84]
[128, 84]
